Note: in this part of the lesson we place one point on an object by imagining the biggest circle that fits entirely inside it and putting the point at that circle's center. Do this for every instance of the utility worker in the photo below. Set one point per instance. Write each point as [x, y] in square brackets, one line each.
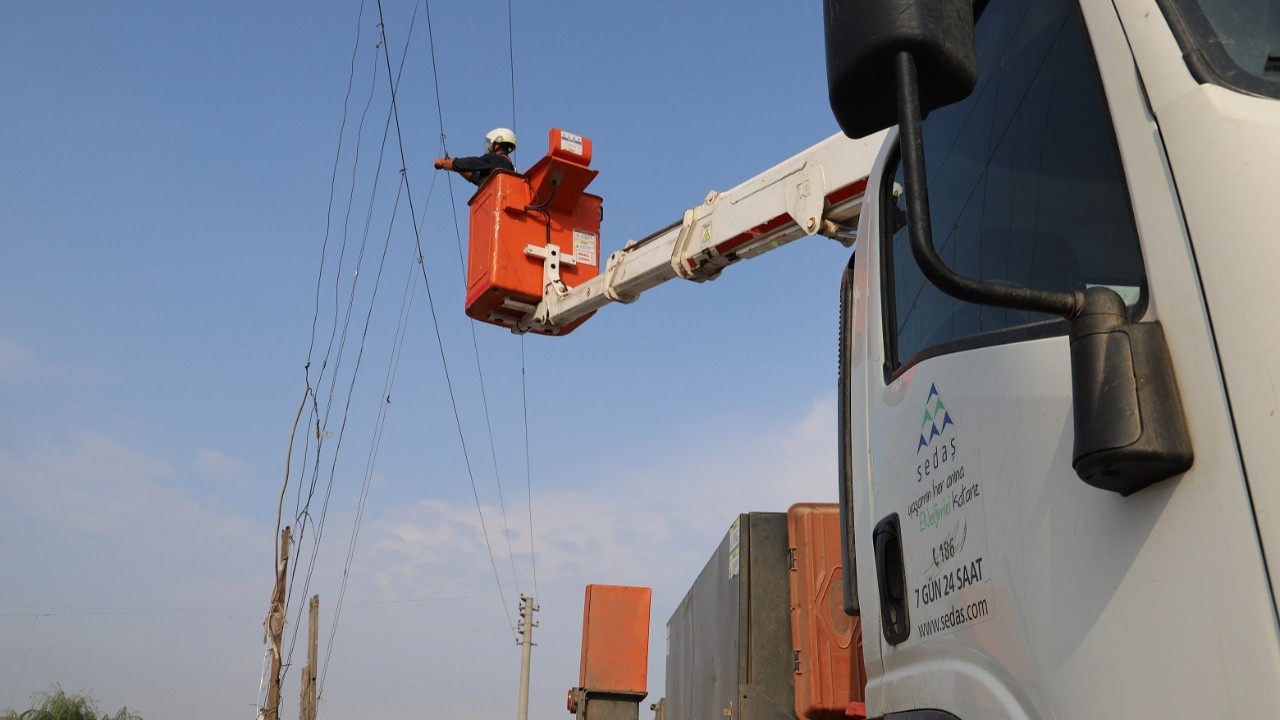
[499, 143]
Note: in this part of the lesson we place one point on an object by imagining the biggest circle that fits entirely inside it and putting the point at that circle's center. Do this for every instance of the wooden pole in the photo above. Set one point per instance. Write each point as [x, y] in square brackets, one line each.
[307, 706]
[275, 629]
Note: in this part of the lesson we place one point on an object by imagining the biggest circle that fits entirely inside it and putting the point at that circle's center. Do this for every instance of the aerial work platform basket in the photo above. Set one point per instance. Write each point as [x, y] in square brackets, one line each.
[527, 230]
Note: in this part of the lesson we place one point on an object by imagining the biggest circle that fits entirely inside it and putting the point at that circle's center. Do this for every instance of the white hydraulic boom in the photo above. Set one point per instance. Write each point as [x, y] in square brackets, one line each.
[817, 192]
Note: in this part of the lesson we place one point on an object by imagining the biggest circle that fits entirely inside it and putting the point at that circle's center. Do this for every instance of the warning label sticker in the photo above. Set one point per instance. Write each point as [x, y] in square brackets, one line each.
[571, 142]
[585, 247]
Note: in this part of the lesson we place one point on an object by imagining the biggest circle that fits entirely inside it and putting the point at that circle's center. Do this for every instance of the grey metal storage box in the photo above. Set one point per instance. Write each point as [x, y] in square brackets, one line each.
[729, 641]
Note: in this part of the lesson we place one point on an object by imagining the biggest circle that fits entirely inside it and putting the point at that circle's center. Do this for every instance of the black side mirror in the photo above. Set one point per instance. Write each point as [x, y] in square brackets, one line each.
[1130, 430]
[863, 38]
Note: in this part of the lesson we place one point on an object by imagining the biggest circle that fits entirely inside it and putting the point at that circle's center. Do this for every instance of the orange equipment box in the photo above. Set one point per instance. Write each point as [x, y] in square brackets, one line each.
[828, 643]
[615, 639]
[545, 205]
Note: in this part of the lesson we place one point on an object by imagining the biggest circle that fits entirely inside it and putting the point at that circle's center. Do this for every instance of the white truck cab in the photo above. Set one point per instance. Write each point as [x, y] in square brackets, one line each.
[1103, 145]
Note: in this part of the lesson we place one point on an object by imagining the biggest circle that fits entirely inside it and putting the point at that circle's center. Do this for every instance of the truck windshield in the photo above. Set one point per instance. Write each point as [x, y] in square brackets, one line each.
[1234, 43]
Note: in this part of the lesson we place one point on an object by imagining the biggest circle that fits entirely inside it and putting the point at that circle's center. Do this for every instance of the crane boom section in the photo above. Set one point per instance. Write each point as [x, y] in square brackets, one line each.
[818, 191]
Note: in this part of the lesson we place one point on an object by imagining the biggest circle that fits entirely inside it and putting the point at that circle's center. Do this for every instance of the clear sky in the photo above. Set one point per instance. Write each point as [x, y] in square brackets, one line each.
[184, 193]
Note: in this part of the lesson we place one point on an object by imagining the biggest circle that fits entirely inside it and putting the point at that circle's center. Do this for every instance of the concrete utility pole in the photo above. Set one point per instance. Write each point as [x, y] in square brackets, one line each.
[274, 626]
[527, 609]
[307, 704]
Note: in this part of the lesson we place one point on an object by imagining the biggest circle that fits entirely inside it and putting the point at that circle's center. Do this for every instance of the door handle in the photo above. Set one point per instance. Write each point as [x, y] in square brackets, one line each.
[892, 577]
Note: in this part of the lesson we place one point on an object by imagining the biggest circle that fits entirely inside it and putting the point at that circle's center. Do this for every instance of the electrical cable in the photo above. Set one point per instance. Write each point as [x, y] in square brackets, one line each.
[22, 668]
[431, 306]
[342, 344]
[484, 395]
[324, 245]
[524, 396]
[435, 323]
[511, 56]
[303, 517]
[524, 401]
[333, 182]
[380, 423]
[351, 389]
[368, 477]
[304, 513]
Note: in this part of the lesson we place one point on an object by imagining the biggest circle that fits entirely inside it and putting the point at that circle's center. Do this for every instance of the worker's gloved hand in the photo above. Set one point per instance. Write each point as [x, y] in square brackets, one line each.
[444, 163]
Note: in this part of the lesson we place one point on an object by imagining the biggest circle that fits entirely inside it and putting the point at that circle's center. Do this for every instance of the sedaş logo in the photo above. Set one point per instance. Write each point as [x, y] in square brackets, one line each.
[937, 445]
[936, 419]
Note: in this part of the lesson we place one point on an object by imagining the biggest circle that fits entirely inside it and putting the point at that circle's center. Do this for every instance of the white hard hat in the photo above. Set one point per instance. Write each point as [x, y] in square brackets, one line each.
[504, 136]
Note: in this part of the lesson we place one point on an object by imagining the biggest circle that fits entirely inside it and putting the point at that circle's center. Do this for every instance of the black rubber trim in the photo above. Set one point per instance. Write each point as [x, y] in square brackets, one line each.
[888, 305]
[1202, 51]
[1054, 327]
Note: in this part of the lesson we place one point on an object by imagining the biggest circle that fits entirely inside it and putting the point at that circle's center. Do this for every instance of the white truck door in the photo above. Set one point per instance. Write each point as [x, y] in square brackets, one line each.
[1003, 585]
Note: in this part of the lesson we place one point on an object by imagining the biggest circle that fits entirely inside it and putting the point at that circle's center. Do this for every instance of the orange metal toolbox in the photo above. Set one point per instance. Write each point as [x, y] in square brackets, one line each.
[615, 639]
[545, 205]
[828, 643]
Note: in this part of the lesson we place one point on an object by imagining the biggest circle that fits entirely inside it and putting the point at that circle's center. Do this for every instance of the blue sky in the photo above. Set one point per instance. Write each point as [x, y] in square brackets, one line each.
[165, 180]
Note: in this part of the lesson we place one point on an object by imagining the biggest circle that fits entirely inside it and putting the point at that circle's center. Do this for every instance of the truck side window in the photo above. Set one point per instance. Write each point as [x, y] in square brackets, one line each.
[1025, 187]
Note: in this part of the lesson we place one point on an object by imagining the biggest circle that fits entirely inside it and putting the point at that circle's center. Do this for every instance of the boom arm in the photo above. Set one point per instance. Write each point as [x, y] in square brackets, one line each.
[817, 192]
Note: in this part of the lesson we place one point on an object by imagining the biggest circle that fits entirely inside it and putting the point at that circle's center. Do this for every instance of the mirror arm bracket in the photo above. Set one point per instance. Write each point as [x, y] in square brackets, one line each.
[919, 227]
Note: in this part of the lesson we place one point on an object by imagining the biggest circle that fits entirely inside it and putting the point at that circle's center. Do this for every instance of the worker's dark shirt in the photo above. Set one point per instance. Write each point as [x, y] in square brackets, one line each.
[480, 167]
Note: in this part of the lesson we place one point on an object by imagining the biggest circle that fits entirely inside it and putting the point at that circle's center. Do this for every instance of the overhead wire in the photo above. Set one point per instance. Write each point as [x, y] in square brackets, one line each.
[524, 402]
[369, 463]
[324, 246]
[524, 392]
[458, 236]
[388, 380]
[371, 459]
[417, 233]
[333, 183]
[484, 395]
[332, 366]
[22, 668]
[308, 392]
[304, 518]
[453, 206]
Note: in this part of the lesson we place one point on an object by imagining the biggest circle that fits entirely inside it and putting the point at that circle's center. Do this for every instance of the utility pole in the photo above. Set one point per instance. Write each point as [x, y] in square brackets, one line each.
[274, 625]
[527, 609]
[307, 704]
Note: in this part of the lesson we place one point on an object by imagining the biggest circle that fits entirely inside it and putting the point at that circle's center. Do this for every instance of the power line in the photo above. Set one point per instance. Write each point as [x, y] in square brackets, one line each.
[511, 55]
[303, 517]
[86, 610]
[23, 667]
[431, 303]
[453, 205]
[524, 396]
[333, 179]
[484, 395]
[302, 512]
[524, 401]
[335, 350]
[370, 461]
[322, 422]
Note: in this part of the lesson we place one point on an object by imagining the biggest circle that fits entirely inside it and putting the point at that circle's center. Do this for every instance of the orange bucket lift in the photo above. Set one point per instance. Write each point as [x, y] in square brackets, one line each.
[533, 229]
